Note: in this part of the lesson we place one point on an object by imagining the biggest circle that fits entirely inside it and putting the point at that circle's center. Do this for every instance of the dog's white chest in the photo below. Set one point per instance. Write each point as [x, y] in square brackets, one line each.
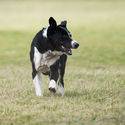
[50, 58]
[44, 61]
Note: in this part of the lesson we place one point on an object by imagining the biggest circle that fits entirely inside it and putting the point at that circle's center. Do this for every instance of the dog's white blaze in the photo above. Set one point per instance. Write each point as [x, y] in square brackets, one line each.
[45, 32]
[61, 90]
[52, 84]
[73, 42]
[37, 84]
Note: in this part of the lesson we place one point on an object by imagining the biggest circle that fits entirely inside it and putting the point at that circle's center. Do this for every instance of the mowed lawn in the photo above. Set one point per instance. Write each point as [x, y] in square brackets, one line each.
[95, 73]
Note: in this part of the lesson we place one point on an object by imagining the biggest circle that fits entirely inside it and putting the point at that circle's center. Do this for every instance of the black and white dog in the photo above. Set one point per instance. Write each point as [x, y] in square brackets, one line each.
[48, 55]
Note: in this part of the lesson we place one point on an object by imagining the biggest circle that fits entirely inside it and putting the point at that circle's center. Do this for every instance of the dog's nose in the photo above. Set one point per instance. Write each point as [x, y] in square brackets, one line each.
[75, 45]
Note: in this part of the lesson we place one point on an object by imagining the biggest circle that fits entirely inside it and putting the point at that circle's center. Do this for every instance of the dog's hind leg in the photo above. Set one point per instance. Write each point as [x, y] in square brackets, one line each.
[62, 65]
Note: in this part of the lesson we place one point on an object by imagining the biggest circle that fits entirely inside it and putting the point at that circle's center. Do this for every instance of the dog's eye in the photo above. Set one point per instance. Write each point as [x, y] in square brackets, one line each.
[70, 34]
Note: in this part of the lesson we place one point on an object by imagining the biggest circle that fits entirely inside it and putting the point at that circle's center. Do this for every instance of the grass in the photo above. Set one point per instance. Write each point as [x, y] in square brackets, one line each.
[95, 74]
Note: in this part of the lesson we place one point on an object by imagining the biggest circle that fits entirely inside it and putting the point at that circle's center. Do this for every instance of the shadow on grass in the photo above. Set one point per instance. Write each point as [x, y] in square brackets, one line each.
[76, 93]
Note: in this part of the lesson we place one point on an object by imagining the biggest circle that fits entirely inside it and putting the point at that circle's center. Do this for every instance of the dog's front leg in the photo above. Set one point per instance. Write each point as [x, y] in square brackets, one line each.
[54, 75]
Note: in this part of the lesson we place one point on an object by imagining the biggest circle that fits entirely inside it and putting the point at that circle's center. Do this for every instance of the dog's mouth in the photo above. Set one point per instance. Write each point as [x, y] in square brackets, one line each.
[68, 51]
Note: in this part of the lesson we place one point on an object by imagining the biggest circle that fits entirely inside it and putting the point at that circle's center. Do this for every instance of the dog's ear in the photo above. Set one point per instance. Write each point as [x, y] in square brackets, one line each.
[52, 22]
[63, 23]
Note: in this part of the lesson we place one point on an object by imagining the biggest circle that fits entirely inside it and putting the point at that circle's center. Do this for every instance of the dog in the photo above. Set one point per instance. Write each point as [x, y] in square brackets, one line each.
[48, 55]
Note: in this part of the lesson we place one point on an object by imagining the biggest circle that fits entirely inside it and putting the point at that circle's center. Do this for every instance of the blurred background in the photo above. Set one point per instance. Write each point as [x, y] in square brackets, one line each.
[95, 73]
[97, 25]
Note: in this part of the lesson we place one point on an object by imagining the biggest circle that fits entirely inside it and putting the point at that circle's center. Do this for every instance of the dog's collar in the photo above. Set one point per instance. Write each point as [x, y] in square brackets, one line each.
[45, 32]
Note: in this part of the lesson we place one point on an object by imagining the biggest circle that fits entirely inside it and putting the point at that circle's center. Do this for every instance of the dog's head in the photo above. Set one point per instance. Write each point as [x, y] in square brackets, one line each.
[60, 37]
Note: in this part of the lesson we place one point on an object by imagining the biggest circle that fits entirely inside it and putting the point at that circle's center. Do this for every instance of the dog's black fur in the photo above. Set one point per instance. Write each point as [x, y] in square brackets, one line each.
[58, 39]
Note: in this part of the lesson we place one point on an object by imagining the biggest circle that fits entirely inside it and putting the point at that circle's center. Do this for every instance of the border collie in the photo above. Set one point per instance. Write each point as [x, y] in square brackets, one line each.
[48, 55]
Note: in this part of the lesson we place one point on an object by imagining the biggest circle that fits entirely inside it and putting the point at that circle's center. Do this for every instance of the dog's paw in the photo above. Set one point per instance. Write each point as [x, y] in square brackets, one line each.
[52, 86]
[53, 90]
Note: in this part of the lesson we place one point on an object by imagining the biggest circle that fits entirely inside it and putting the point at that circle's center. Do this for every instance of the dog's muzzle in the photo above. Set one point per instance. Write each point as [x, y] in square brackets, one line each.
[68, 51]
[74, 44]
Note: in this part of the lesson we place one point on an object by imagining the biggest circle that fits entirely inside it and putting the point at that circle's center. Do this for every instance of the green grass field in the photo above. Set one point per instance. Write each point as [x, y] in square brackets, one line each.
[95, 73]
